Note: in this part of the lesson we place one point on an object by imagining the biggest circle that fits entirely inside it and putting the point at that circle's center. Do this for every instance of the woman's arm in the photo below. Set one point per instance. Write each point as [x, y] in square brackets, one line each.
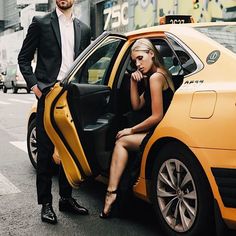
[136, 101]
[156, 87]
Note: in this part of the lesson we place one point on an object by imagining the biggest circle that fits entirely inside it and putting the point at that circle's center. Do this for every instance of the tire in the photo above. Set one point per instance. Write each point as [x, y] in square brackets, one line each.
[14, 89]
[181, 193]
[32, 143]
[33, 149]
[4, 89]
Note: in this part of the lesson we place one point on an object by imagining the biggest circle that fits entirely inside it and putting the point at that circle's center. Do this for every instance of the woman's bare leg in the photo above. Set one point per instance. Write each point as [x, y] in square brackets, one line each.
[119, 162]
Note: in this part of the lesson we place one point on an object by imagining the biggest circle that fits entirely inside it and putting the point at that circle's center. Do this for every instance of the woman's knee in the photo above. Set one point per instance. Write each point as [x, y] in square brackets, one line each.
[122, 142]
[119, 143]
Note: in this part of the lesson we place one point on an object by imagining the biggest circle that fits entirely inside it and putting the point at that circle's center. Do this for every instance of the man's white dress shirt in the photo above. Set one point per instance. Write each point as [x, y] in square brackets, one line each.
[67, 42]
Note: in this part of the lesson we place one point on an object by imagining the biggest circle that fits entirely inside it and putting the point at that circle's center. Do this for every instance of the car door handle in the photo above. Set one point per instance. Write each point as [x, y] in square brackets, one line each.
[60, 107]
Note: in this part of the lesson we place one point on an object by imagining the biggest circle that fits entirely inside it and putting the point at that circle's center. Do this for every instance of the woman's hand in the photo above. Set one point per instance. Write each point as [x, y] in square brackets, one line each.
[124, 132]
[137, 76]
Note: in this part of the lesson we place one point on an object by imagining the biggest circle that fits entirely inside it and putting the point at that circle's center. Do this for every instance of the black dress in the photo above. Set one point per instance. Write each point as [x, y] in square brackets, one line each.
[167, 96]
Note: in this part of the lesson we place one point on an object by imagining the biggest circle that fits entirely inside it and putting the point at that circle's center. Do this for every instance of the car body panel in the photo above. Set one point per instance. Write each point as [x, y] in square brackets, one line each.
[14, 79]
[10, 76]
[1, 79]
[19, 81]
[210, 158]
[64, 122]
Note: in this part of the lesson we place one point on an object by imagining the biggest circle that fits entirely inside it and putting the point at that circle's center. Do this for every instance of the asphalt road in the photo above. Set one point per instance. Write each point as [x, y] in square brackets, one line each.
[19, 212]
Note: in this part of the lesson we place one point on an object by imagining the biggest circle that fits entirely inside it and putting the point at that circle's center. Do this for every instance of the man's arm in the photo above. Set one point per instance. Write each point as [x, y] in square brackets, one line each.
[27, 52]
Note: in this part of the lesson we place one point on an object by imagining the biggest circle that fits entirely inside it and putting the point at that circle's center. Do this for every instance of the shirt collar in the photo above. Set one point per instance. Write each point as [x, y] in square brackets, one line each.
[60, 14]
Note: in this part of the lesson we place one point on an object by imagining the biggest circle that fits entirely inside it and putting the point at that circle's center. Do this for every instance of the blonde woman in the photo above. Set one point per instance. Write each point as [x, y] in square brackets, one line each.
[154, 102]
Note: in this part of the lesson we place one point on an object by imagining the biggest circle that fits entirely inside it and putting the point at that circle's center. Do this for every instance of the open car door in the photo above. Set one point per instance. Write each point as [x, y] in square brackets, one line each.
[77, 114]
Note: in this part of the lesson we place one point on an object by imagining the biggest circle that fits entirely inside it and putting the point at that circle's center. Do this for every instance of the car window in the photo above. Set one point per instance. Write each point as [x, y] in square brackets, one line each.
[96, 68]
[127, 67]
[184, 63]
[172, 56]
[167, 55]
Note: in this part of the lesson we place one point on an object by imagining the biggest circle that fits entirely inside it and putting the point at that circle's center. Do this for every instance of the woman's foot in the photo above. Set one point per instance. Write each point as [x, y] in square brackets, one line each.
[110, 200]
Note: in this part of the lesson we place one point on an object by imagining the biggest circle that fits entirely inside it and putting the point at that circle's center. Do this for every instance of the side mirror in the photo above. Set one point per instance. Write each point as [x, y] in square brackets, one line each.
[4, 73]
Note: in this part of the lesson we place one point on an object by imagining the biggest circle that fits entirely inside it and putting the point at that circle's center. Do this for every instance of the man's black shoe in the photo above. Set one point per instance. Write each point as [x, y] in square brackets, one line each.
[47, 214]
[70, 205]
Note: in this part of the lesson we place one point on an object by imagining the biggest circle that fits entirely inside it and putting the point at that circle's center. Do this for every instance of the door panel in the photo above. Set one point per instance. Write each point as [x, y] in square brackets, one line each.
[60, 127]
[89, 105]
[88, 102]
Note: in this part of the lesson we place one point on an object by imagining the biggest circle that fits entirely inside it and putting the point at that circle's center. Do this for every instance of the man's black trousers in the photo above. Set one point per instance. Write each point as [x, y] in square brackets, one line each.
[45, 161]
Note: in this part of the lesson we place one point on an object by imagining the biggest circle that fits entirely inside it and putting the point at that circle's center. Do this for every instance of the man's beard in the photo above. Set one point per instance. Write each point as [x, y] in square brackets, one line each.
[64, 5]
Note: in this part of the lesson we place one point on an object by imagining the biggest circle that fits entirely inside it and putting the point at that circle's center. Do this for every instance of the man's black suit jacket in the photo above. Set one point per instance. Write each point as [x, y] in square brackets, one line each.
[44, 36]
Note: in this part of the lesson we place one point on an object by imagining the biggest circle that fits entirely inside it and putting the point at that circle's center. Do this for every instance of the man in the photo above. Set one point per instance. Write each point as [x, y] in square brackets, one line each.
[58, 38]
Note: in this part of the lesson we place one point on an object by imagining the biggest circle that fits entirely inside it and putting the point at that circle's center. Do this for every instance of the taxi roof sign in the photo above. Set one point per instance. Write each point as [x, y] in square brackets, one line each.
[176, 19]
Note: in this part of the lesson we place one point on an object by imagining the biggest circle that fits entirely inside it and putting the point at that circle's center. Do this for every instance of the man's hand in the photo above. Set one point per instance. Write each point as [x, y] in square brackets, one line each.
[37, 91]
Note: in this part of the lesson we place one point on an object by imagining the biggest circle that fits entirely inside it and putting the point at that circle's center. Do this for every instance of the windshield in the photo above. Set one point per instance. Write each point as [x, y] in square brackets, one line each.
[225, 35]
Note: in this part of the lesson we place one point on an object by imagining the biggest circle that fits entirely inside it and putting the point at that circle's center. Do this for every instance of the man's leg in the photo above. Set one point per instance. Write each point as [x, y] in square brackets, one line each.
[44, 167]
[65, 190]
[44, 158]
[66, 202]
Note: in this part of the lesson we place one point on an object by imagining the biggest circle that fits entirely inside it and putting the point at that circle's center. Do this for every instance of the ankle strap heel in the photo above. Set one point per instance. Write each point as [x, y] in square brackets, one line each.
[104, 215]
[111, 192]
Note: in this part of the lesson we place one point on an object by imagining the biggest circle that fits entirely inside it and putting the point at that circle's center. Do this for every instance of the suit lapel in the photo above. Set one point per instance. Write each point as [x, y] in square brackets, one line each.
[77, 30]
[55, 26]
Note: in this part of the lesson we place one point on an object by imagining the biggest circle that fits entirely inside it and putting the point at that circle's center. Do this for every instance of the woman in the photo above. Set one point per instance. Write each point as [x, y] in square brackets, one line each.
[154, 101]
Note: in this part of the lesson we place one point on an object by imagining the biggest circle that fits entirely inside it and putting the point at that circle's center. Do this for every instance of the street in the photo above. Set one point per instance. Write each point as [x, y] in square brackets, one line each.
[19, 211]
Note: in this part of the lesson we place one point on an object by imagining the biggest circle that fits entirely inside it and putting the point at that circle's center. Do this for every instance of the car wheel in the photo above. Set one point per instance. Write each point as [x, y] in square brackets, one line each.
[181, 194]
[4, 89]
[32, 143]
[14, 89]
[33, 149]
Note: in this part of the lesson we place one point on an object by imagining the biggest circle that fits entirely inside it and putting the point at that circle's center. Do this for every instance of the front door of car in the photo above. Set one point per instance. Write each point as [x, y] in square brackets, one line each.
[81, 117]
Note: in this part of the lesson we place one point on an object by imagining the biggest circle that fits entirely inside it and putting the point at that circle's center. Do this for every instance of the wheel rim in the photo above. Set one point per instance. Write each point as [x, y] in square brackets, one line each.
[33, 145]
[176, 195]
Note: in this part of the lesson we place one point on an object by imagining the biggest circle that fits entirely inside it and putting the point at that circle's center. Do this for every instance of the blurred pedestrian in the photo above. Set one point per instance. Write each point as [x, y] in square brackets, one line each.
[58, 38]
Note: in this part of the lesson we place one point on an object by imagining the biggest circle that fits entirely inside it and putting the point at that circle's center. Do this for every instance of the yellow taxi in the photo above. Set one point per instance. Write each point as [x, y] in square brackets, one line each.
[188, 166]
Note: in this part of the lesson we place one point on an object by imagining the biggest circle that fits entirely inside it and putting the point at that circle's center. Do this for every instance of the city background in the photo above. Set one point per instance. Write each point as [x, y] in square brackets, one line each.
[112, 15]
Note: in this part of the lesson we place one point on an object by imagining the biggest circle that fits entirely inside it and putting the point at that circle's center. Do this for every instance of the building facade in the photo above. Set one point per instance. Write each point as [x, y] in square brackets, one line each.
[127, 15]
[9, 15]
[15, 17]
